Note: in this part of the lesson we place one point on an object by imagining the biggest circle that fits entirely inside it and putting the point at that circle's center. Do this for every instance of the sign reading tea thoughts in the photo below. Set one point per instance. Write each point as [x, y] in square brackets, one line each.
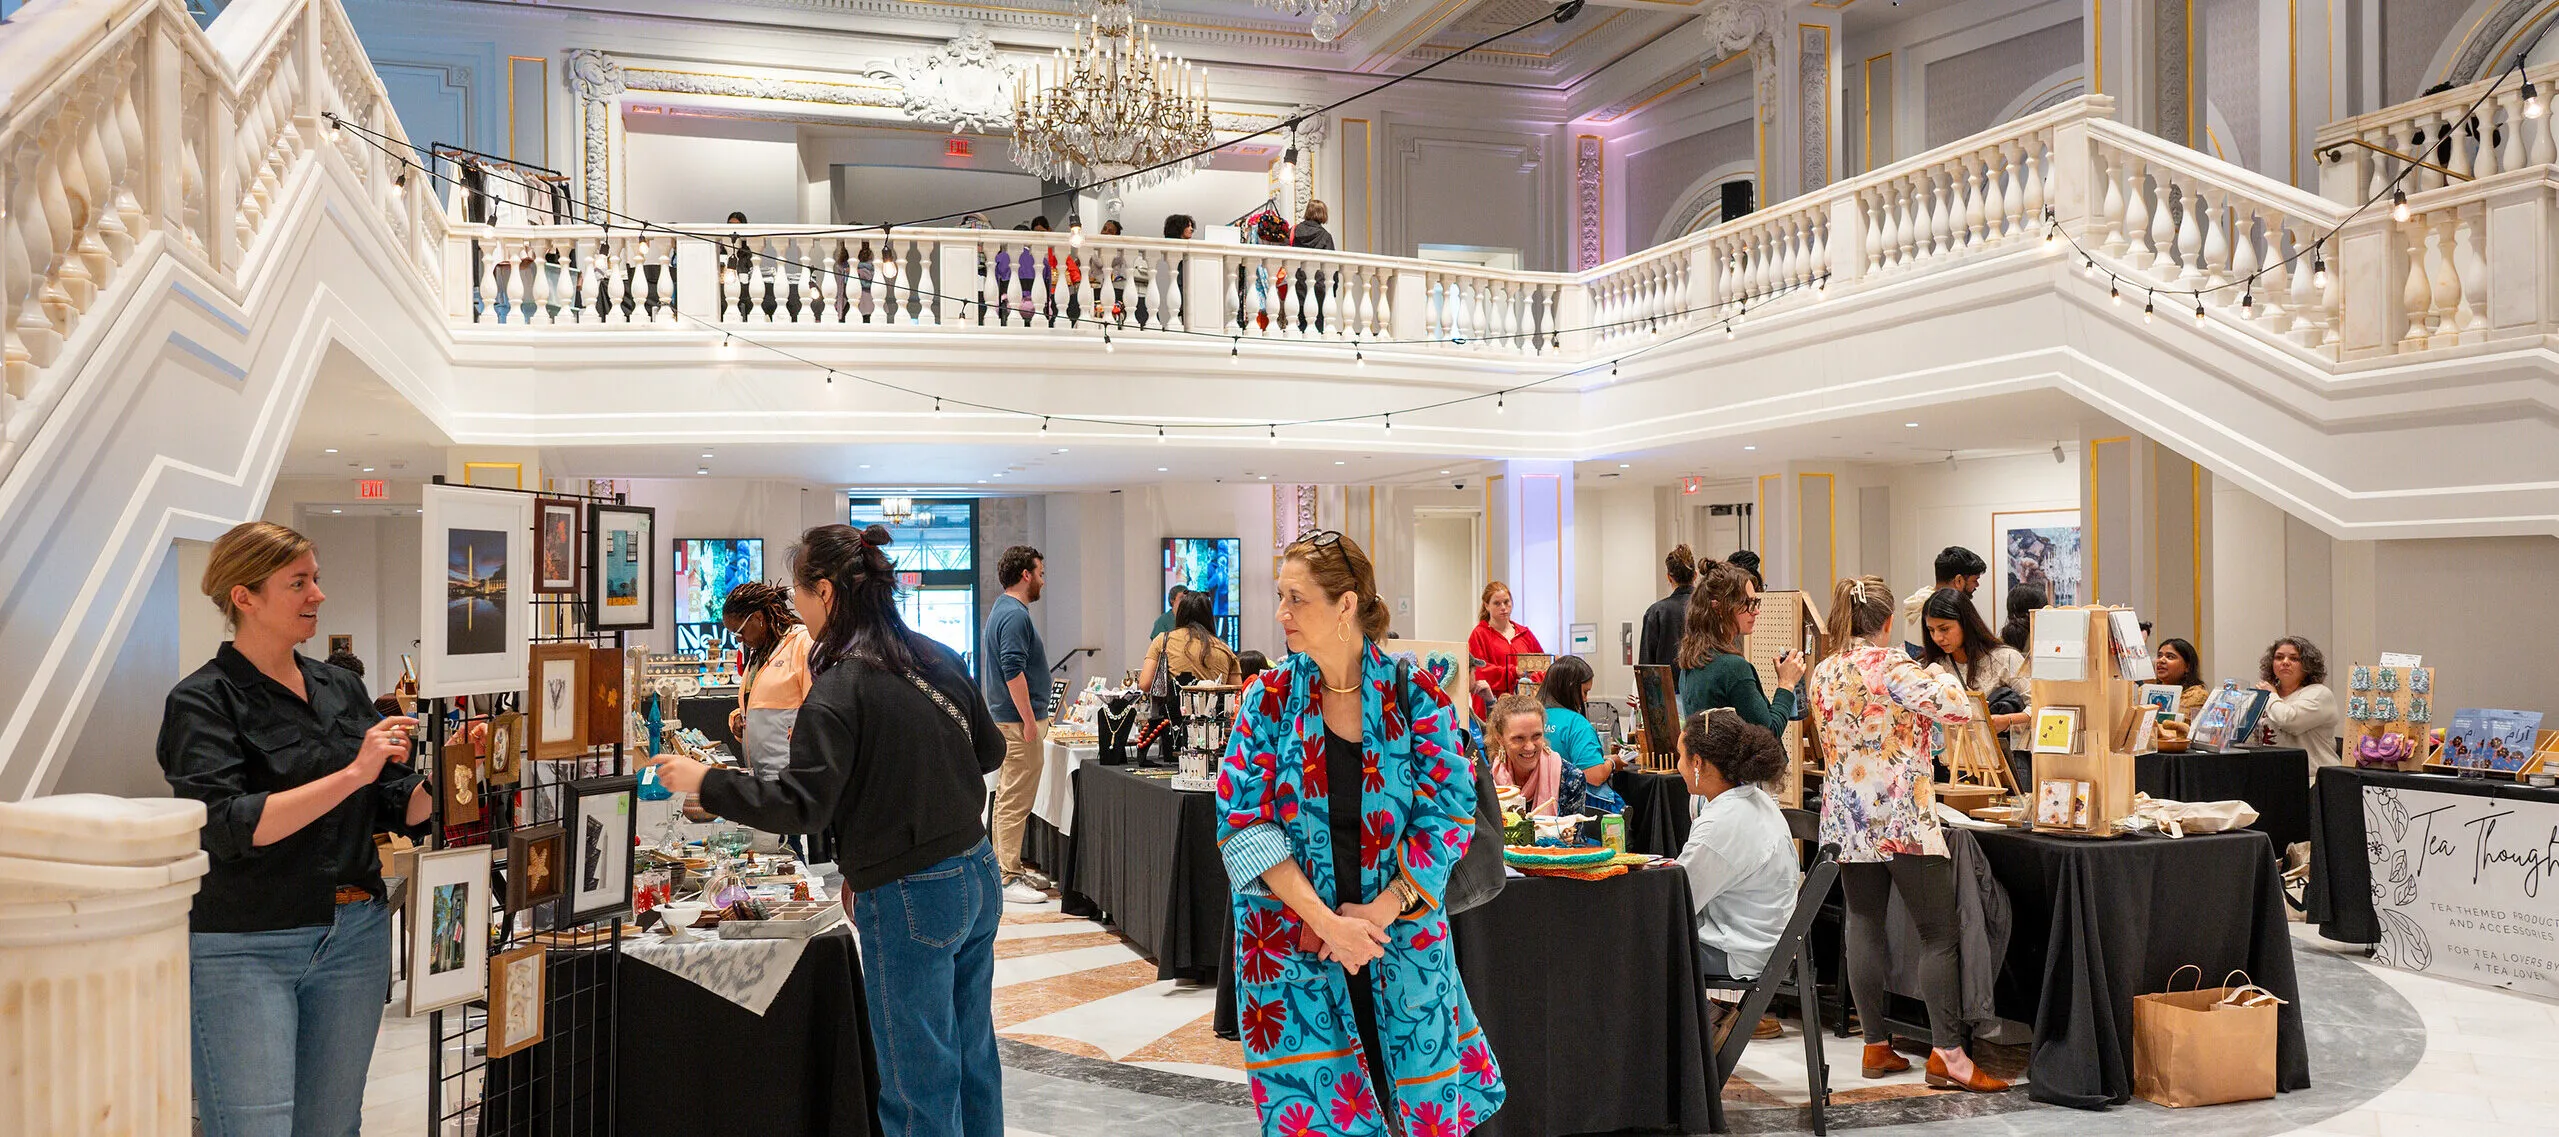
[2466, 887]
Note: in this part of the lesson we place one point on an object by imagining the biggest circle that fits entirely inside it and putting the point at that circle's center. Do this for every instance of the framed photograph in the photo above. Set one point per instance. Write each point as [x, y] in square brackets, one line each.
[598, 815]
[621, 567]
[2056, 730]
[555, 546]
[558, 692]
[2038, 547]
[604, 696]
[475, 611]
[345, 644]
[518, 991]
[534, 856]
[448, 929]
[506, 750]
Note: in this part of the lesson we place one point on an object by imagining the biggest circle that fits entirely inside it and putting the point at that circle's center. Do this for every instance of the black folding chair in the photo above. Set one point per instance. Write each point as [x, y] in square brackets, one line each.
[1806, 826]
[1789, 972]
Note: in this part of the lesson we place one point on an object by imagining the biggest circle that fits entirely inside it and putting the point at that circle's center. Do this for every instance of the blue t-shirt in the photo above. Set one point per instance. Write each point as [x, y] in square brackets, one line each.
[1572, 738]
[1011, 647]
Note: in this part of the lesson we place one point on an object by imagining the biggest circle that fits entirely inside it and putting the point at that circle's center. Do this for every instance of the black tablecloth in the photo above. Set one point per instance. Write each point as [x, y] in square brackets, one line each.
[2100, 921]
[1587, 991]
[804, 1066]
[2339, 897]
[1052, 852]
[710, 715]
[1656, 811]
[2274, 781]
[1146, 853]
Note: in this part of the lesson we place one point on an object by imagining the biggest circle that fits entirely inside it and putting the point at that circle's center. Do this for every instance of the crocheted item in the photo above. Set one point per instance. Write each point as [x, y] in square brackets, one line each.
[1524, 857]
[1601, 873]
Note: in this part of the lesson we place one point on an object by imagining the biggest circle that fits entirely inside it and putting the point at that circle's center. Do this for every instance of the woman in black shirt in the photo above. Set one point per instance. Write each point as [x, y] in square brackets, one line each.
[290, 949]
[892, 748]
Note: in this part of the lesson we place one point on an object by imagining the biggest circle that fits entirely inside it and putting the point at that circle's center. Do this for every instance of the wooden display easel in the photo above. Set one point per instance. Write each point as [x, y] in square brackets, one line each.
[1974, 758]
[1787, 621]
[2105, 700]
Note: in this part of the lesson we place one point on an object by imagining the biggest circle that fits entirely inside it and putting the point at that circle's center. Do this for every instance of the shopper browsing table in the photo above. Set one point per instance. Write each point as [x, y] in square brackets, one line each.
[759, 614]
[1956, 643]
[1191, 648]
[1343, 806]
[1566, 694]
[289, 949]
[1713, 672]
[2303, 712]
[1013, 670]
[892, 749]
[1494, 643]
[1876, 708]
[1740, 857]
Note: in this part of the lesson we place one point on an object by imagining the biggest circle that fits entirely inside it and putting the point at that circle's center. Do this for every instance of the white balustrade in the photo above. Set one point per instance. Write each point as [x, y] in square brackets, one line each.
[2473, 131]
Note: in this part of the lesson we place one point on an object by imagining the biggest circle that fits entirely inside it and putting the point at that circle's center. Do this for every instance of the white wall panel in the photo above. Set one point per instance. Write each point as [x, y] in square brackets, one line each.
[685, 171]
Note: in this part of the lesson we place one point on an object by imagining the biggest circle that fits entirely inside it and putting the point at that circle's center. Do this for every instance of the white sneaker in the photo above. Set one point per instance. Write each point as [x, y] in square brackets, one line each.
[1020, 892]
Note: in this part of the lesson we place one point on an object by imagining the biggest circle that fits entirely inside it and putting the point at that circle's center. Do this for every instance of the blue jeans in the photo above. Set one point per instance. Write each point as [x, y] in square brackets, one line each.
[284, 1024]
[928, 970]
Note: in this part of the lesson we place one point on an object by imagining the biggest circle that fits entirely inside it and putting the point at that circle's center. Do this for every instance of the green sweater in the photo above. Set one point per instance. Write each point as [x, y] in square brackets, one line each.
[1730, 681]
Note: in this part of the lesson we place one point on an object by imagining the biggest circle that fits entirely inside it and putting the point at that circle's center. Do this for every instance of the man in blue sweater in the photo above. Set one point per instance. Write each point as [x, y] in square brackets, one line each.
[1012, 670]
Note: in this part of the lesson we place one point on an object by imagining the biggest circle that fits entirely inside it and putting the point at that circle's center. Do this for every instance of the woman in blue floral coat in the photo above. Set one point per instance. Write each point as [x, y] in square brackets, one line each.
[1343, 805]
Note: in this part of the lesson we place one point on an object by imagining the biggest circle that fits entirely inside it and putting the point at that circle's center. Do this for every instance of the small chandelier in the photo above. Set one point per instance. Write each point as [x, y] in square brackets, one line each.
[1111, 105]
[1328, 13]
[897, 510]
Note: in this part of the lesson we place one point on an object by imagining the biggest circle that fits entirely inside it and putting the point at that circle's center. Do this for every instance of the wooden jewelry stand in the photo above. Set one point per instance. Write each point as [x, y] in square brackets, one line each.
[1787, 622]
[2105, 700]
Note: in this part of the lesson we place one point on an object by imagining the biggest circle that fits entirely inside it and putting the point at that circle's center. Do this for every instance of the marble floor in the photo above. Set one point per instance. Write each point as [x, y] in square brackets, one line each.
[1095, 1046]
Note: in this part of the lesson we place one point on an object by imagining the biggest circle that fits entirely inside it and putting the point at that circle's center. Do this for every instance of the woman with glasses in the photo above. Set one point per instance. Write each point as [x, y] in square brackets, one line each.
[1344, 804]
[776, 675]
[1713, 673]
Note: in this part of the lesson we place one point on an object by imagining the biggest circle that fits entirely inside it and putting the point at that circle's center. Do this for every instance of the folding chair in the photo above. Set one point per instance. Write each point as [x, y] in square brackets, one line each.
[1789, 972]
[1806, 825]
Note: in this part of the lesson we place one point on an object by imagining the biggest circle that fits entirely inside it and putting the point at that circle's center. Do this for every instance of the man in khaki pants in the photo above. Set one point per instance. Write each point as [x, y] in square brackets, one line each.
[1013, 673]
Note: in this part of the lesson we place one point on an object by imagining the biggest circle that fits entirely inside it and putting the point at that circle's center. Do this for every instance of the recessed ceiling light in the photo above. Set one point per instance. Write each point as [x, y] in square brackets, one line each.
[706, 453]
[866, 465]
[1266, 477]
[1750, 448]
[368, 469]
[981, 481]
[1339, 462]
[331, 450]
[1913, 424]
[1163, 469]
[702, 471]
[337, 511]
[999, 473]
[1443, 471]
[1059, 450]
[1626, 465]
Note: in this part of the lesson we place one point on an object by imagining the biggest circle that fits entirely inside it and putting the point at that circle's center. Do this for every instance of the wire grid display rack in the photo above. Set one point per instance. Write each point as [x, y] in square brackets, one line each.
[562, 1085]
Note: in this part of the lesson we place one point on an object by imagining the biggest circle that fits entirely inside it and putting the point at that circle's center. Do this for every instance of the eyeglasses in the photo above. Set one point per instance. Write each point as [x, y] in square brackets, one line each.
[1322, 539]
[1750, 605]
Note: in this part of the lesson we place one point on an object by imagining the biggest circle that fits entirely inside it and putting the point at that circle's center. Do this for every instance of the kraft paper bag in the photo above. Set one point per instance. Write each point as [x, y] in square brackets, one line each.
[2207, 1046]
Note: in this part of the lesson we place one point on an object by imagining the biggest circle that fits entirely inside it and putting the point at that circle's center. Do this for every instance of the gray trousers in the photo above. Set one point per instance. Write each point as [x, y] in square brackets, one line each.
[1927, 887]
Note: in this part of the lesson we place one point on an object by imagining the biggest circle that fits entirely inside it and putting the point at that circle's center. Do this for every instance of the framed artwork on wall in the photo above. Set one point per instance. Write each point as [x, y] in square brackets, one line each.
[518, 993]
[604, 696]
[2039, 547]
[598, 813]
[506, 749]
[557, 689]
[621, 567]
[448, 928]
[534, 856]
[555, 546]
[475, 608]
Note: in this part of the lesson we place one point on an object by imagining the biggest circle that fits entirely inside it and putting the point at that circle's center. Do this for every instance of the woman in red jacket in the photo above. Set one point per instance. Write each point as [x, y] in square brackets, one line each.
[1492, 645]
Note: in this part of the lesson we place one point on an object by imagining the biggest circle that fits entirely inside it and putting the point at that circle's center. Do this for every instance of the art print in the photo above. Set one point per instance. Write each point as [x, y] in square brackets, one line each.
[598, 816]
[2038, 547]
[475, 612]
[555, 555]
[475, 592]
[557, 690]
[518, 991]
[506, 749]
[535, 857]
[448, 928]
[621, 566]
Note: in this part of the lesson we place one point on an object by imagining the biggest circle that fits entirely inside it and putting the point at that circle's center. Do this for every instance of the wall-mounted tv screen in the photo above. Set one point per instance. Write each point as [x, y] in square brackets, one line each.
[1213, 565]
[706, 568]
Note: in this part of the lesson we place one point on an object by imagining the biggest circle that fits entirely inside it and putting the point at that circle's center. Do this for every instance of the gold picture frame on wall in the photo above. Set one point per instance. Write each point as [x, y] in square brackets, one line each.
[494, 475]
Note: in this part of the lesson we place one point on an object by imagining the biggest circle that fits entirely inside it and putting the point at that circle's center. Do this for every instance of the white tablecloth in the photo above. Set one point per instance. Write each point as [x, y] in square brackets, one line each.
[1054, 801]
[748, 973]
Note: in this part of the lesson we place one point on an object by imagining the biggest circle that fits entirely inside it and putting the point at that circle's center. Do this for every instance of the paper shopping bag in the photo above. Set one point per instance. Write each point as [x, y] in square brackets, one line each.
[2207, 1046]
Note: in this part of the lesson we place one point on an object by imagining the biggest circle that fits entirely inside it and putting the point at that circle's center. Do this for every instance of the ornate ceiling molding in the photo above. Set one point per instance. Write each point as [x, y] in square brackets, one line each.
[1812, 69]
[1589, 204]
[1746, 25]
[959, 84]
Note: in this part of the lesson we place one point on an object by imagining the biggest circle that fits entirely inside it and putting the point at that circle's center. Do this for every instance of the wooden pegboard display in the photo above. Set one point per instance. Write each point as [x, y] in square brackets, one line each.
[2107, 702]
[1787, 621]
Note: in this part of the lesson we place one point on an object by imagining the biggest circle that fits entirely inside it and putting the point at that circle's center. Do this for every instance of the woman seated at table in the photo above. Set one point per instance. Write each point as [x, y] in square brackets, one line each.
[1565, 692]
[1515, 731]
[1960, 645]
[1712, 670]
[1192, 648]
[1740, 857]
[2179, 666]
[2303, 712]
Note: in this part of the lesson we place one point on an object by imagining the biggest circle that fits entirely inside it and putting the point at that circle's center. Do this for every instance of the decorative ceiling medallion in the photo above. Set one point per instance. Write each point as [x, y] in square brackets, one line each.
[960, 84]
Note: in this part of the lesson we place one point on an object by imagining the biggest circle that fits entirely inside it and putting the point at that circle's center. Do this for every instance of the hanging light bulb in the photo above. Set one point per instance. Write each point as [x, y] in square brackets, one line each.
[1728, 329]
[1390, 422]
[937, 404]
[2092, 268]
[1288, 166]
[2318, 269]
[1612, 369]
[1359, 358]
[2115, 291]
[728, 348]
[2248, 303]
[2531, 100]
[2148, 304]
[1274, 434]
[1044, 424]
[1075, 234]
[1106, 340]
[830, 377]
[2199, 311]
[1501, 401]
[1159, 434]
[1234, 352]
[2398, 204]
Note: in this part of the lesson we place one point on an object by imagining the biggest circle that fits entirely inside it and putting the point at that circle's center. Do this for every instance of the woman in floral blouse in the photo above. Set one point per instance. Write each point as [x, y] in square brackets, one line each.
[1877, 710]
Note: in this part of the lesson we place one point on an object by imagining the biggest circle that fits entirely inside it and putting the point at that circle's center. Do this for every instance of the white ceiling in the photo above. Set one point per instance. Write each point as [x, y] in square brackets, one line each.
[367, 423]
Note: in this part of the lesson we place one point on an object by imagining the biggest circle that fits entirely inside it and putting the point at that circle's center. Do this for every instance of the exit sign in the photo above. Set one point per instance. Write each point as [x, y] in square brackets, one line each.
[1691, 485]
[370, 489]
[958, 148]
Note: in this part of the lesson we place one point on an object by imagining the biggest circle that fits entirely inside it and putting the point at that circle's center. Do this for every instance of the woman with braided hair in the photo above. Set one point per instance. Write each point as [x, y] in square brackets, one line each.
[775, 678]
[1877, 710]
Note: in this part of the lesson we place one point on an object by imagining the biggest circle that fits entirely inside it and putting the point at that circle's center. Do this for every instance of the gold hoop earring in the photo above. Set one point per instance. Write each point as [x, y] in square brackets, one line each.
[1342, 632]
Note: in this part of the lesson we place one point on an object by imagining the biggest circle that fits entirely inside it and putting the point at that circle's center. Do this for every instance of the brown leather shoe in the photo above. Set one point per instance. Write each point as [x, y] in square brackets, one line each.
[1880, 1060]
[1980, 1082]
[1768, 1027]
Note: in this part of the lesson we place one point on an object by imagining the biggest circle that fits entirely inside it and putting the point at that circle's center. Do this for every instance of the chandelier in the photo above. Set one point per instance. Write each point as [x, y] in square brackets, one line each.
[897, 510]
[1328, 13]
[1111, 105]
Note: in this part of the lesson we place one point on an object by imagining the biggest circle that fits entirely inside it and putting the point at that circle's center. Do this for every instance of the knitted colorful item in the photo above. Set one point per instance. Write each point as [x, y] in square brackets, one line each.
[1527, 857]
[1601, 873]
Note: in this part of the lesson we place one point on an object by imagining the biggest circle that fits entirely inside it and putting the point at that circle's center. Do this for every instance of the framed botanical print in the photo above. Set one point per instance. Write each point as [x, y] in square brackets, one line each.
[604, 696]
[535, 856]
[621, 567]
[557, 690]
[598, 813]
[506, 749]
[448, 928]
[475, 610]
[555, 546]
[519, 983]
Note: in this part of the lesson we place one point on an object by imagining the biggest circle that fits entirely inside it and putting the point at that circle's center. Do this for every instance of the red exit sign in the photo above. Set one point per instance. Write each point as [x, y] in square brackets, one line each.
[370, 489]
[957, 148]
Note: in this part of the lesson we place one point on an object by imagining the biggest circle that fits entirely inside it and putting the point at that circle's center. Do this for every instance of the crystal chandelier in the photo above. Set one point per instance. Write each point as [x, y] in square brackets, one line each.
[1110, 105]
[897, 510]
[1328, 13]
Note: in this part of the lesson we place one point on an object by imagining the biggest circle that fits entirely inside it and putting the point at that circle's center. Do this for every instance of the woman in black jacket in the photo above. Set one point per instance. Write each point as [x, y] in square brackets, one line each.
[892, 748]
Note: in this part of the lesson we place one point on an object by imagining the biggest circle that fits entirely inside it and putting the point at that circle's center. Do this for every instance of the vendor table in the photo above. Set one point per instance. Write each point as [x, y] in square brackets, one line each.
[694, 1062]
[2275, 781]
[2100, 921]
[710, 715]
[1656, 811]
[1146, 853]
[2461, 863]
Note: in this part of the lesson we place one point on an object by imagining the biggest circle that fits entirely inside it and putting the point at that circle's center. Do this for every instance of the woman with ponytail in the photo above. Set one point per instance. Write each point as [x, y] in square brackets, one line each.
[892, 748]
[1877, 710]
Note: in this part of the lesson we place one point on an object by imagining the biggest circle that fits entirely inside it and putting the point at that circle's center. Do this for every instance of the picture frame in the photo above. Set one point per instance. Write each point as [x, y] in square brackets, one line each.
[460, 783]
[2162, 696]
[506, 750]
[535, 856]
[341, 643]
[605, 696]
[2040, 546]
[519, 994]
[2056, 730]
[475, 614]
[1657, 705]
[556, 691]
[598, 813]
[621, 567]
[448, 928]
[557, 526]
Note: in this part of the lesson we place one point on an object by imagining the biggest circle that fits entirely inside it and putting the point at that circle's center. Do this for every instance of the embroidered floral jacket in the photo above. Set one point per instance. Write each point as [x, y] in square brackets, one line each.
[1877, 710]
[1301, 1045]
